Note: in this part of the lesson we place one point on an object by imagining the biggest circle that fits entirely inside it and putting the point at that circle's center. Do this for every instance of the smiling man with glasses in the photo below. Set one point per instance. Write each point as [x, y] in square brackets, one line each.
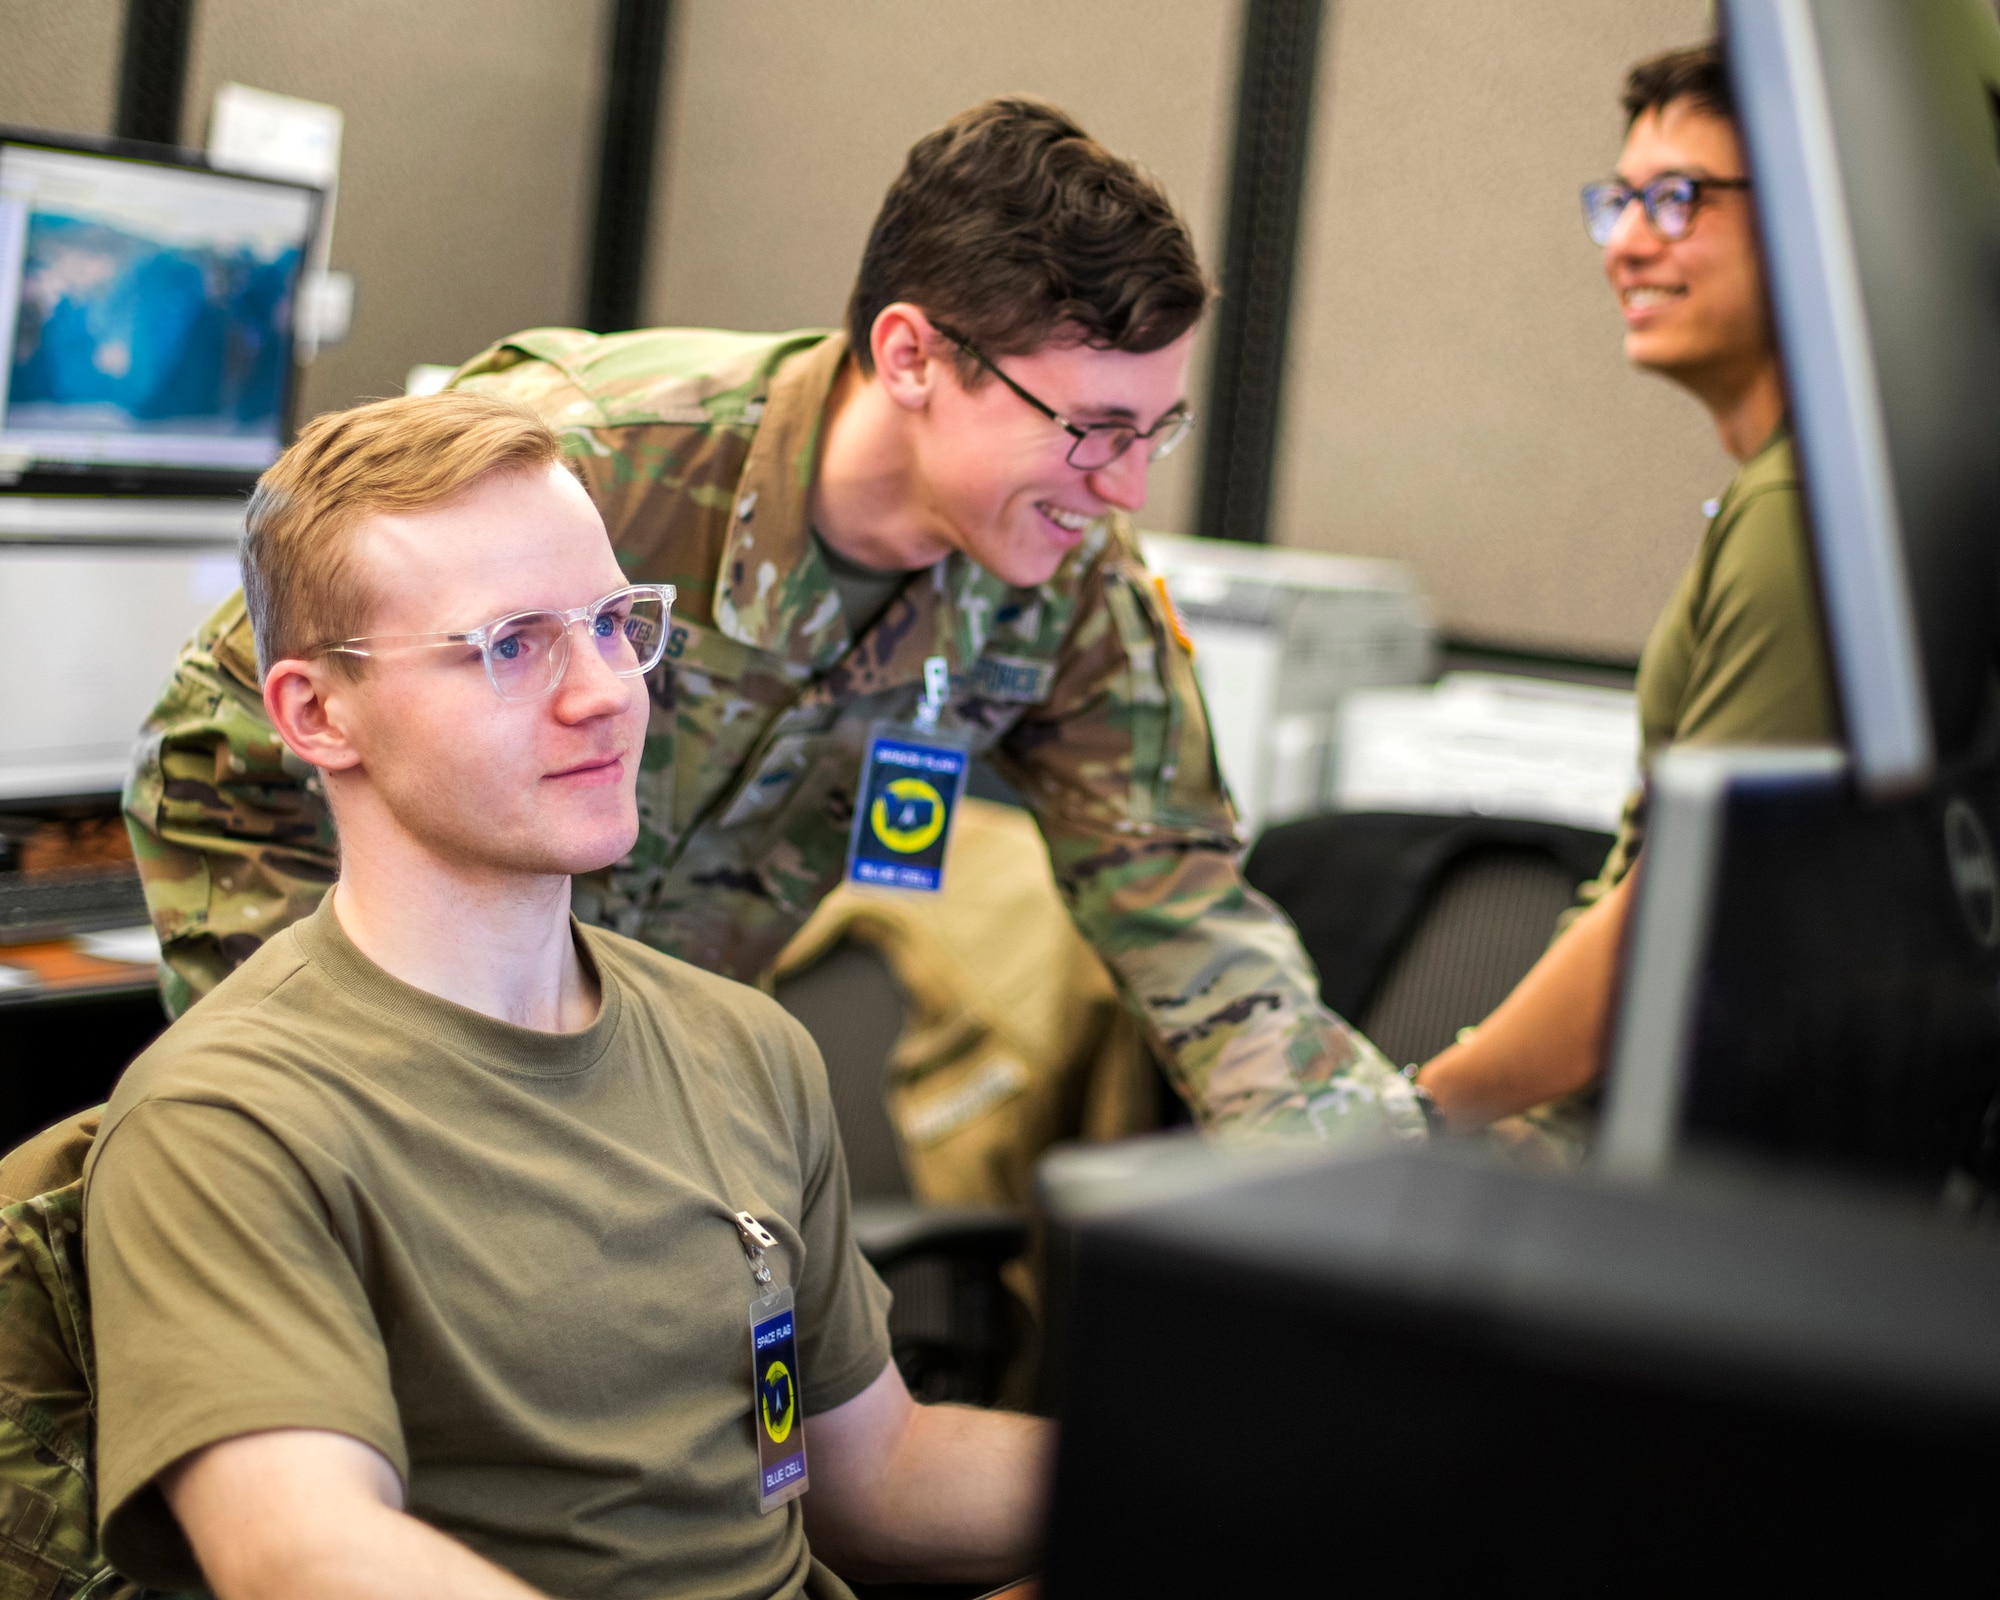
[1738, 656]
[944, 486]
[420, 1251]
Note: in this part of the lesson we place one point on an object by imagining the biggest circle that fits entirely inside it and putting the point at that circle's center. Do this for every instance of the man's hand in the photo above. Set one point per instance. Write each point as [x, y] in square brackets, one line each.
[301, 1514]
[940, 1493]
[1547, 1037]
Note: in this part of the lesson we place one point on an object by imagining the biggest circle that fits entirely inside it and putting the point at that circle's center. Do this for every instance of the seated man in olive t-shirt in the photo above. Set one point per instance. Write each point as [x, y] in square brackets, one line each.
[414, 1248]
[1738, 656]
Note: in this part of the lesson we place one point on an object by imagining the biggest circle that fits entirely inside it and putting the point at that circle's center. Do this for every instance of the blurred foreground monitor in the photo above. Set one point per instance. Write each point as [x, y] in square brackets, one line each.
[1415, 1374]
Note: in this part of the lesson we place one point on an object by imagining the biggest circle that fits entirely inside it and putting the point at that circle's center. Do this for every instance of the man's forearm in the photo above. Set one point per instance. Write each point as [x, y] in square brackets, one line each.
[960, 1497]
[1547, 1037]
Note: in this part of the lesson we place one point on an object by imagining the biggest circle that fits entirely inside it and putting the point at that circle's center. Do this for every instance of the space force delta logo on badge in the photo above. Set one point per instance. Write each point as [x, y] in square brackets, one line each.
[908, 792]
[910, 784]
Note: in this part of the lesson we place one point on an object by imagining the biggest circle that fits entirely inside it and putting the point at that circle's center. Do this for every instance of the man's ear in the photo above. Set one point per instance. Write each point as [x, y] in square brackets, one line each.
[304, 705]
[909, 358]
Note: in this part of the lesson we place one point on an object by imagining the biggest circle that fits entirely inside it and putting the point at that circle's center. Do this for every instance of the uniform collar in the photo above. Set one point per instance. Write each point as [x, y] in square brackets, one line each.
[772, 590]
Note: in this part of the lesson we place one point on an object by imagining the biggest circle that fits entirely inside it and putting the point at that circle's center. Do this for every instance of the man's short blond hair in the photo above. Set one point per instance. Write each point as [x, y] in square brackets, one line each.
[301, 581]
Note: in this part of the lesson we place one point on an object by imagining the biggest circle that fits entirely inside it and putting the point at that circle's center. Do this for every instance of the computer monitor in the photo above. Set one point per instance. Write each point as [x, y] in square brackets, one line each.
[1872, 132]
[146, 308]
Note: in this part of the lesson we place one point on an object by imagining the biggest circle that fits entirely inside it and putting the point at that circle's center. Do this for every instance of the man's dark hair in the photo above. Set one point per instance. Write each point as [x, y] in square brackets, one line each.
[1011, 225]
[1698, 75]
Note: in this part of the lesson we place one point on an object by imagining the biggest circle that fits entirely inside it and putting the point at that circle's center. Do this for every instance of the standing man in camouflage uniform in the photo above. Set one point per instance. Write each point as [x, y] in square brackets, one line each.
[953, 477]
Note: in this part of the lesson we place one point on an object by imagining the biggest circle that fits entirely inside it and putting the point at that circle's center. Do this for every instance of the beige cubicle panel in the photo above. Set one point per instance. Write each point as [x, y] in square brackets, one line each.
[468, 168]
[1455, 395]
[59, 63]
[786, 120]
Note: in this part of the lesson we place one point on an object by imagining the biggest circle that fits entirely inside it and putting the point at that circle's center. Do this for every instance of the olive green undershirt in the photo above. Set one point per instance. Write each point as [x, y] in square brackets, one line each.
[865, 592]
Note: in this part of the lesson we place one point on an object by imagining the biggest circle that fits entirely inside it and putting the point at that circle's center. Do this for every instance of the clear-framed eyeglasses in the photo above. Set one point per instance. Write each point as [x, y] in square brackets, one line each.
[527, 652]
[1669, 201]
[1095, 444]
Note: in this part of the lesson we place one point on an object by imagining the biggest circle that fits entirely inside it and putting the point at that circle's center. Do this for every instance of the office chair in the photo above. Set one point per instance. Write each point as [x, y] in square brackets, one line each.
[1421, 925]
[955, 1328]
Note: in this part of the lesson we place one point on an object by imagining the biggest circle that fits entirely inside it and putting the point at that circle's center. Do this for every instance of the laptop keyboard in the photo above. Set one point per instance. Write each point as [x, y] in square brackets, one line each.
[53, 905]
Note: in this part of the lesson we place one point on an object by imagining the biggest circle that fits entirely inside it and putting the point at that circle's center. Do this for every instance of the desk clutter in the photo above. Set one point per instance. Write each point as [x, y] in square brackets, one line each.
[78, 959]
[72, 912]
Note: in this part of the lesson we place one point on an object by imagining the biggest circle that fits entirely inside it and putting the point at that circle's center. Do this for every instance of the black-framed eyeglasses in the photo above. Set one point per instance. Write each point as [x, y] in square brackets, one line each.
[527, 652]
[1096, 444]
[1669, 201]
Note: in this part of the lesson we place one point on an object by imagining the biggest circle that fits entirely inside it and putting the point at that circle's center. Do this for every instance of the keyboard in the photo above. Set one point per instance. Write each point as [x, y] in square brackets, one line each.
[54, 905]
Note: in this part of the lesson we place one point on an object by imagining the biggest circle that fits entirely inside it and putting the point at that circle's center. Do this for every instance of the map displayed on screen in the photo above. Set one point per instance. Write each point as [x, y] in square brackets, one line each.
[148, 310]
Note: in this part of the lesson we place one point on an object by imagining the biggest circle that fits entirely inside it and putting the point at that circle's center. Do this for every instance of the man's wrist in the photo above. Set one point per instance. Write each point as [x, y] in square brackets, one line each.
[1434, 1118]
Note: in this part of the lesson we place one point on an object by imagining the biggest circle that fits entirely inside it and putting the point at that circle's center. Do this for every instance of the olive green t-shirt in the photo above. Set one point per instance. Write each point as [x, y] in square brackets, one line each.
[1739, 654]
[503, 1258]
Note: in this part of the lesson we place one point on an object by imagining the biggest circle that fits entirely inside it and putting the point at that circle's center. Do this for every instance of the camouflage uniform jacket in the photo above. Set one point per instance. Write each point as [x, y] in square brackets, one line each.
[48, 1521]
[699, 449]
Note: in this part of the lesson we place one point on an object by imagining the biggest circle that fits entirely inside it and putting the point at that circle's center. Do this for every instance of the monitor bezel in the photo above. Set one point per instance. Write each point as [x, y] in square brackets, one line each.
[1877, 559]
[115, 478]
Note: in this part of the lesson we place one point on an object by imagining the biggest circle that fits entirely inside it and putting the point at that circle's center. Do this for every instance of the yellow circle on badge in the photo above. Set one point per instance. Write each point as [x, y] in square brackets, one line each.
[907, 841]
[778, 1382]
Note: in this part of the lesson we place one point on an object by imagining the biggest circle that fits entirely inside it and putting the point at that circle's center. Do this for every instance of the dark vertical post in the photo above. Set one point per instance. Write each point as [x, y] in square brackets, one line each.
[152, 75]
[1274, 107]
[635, 65]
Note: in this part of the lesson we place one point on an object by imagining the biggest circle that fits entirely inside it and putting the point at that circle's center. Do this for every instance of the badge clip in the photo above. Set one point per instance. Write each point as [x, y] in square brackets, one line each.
[756, 1240]
[937, 690]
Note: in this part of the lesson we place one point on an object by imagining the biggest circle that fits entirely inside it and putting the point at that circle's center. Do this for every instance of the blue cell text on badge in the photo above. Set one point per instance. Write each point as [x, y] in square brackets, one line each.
[909, 790]
[775, 1400]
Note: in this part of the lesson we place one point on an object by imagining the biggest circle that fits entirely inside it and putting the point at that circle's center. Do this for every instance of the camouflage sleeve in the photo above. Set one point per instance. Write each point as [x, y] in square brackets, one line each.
[233, 838]
[1120, 770]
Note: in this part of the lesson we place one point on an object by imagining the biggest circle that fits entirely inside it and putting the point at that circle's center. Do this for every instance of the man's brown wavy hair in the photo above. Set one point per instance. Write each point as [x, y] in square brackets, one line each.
[1013, 226]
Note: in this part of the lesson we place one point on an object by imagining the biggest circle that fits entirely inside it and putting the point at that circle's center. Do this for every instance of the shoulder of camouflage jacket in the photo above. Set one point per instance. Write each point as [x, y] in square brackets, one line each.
[232, 838]
[47, 1511]
[687, 376]
[659, 423]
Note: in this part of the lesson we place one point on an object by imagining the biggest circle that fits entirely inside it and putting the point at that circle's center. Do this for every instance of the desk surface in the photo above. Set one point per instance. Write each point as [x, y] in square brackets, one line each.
[59, 969]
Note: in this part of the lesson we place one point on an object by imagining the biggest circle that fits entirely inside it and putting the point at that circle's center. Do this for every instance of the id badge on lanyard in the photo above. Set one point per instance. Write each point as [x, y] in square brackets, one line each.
[776, 1405]
[911, 781]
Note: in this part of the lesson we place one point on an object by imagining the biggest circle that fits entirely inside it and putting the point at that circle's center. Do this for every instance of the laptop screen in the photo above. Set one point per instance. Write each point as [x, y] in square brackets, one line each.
[147, 311]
